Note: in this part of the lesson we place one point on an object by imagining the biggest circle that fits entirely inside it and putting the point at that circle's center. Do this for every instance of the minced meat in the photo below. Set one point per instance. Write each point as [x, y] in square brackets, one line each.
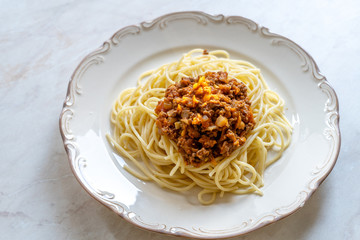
[208, 116]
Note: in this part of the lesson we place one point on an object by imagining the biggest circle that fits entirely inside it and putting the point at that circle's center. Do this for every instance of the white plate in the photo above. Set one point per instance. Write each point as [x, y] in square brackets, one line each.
[311, 105]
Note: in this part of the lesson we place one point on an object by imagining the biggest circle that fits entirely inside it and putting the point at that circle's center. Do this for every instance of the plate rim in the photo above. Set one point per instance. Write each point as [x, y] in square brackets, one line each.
[94, 57]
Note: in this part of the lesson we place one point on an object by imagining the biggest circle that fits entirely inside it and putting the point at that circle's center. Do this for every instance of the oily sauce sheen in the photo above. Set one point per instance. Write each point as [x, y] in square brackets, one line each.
[208, 116]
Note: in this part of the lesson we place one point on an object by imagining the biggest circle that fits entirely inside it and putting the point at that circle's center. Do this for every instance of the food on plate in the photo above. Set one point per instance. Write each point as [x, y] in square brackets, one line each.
[207, 116]
[205, 120]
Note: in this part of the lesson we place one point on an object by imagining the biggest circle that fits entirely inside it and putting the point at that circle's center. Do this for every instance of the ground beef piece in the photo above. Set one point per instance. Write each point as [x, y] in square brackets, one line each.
[206, 141]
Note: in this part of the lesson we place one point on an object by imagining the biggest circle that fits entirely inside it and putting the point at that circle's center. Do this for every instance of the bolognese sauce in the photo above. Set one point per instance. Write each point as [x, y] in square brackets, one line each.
[208, 116]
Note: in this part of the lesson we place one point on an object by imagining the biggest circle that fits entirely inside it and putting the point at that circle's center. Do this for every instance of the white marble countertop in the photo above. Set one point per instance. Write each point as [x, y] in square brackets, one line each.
[41, 43]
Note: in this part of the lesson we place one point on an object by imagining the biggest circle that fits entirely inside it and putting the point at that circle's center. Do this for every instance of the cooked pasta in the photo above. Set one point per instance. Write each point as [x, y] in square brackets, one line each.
[156, 157]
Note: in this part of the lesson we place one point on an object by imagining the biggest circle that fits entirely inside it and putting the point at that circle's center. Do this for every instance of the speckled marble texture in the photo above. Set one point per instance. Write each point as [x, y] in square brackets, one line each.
[41, 43]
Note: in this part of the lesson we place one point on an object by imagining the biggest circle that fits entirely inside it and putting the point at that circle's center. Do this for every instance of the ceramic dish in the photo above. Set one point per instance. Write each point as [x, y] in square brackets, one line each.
[311, 103]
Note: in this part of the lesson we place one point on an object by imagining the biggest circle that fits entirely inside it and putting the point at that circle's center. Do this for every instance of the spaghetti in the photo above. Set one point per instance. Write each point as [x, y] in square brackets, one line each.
[157, 158]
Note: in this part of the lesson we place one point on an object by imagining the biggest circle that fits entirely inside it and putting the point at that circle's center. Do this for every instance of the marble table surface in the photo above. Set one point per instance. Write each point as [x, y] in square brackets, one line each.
[41, 43]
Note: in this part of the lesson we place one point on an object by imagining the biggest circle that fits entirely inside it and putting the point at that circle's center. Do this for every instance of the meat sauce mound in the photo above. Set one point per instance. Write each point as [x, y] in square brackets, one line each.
[208, 116]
